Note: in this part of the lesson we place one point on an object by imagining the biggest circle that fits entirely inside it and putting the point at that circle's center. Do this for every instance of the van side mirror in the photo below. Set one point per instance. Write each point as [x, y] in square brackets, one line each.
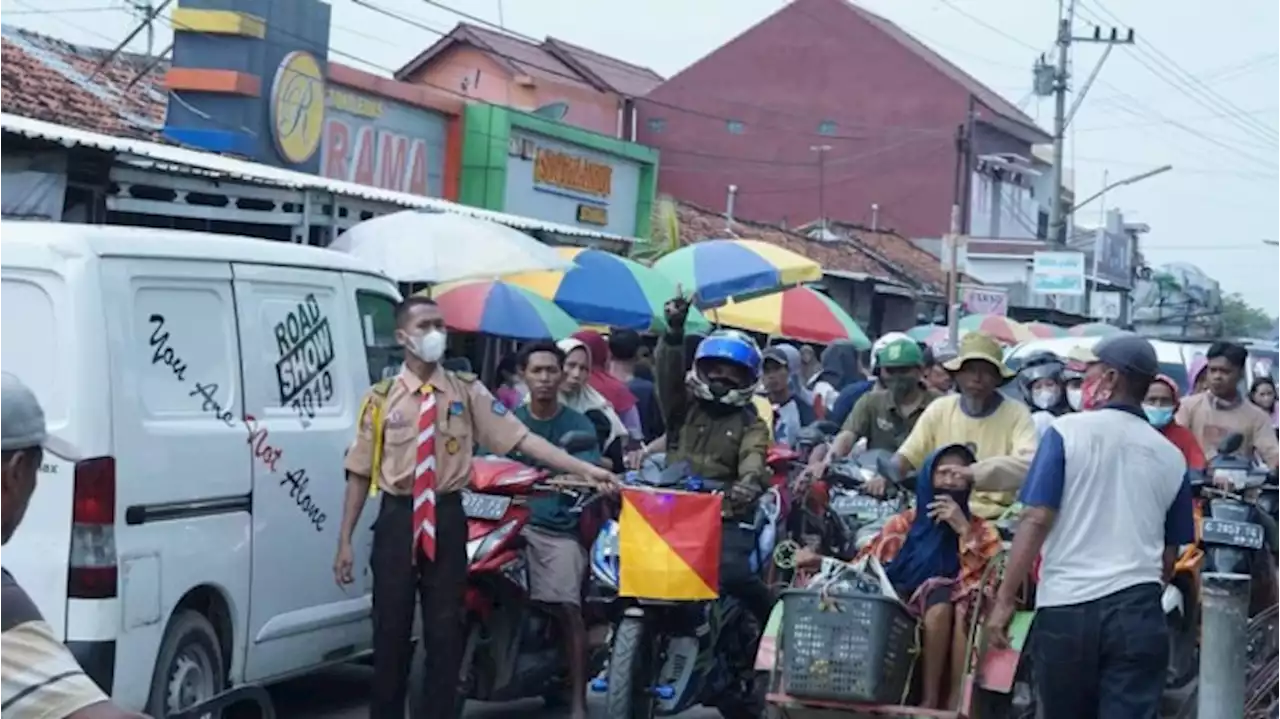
[578, 441]
[1231, 443]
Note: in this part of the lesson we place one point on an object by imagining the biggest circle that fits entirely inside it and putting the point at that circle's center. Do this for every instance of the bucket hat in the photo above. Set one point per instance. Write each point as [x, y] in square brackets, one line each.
[977, 346]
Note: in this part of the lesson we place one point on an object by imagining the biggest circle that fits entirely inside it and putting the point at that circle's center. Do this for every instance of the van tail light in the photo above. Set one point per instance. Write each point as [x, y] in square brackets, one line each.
[93, 568]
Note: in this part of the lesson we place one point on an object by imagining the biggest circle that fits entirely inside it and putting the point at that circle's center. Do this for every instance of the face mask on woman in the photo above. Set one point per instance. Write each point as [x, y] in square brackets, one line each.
[1159, 417]
[1075, 398]
[1046, 398]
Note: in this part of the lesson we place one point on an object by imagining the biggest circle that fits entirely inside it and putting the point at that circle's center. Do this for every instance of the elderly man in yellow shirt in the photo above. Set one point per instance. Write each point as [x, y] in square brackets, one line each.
[998, 429]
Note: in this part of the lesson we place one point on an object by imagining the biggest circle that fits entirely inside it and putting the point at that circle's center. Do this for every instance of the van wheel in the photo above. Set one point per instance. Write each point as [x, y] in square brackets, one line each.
[189, 668]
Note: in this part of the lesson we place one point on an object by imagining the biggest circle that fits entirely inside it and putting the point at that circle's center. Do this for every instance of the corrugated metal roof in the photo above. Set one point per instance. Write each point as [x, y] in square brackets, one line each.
[265, 174]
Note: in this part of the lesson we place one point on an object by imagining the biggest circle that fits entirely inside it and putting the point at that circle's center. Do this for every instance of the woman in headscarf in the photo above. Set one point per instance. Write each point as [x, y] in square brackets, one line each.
[577, 393]
[1160, 405]
[936, 558]
[1197, 375]
[613, 389]
[839, 368]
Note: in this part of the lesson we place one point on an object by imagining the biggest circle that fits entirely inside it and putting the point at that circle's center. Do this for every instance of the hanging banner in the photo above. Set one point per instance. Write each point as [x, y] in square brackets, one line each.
[979, 300]
[1058, 273]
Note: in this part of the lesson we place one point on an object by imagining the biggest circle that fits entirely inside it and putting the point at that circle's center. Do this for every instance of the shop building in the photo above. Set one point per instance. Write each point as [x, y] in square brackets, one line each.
[528, 165]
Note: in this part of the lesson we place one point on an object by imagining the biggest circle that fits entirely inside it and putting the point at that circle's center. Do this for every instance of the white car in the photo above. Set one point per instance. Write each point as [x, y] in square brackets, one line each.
[209, 386]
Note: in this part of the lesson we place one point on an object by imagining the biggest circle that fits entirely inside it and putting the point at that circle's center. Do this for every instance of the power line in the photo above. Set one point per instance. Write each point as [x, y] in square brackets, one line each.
[64, 10]
[57, 17]
[983, 23]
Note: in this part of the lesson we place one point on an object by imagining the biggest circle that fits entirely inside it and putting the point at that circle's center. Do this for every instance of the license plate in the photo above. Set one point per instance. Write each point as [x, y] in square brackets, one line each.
[1232, 533]
[485, 506]
[856, 504]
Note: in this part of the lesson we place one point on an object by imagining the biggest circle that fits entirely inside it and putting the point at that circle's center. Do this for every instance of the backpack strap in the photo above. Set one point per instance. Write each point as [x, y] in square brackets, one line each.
[374, 403]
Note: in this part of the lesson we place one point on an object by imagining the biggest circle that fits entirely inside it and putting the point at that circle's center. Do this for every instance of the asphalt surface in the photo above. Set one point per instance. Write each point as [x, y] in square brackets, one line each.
[342, 693]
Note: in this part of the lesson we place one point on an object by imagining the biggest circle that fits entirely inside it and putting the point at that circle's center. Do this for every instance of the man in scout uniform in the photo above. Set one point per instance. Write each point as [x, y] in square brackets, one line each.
[886, 415]
[415, 439]
[712, 425]
[998, 429]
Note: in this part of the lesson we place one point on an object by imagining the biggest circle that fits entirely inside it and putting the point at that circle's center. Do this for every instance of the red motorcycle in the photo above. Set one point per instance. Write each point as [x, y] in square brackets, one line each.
[513, 647]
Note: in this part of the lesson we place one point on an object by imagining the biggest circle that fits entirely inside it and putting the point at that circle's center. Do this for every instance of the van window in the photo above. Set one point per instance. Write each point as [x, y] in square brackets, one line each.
[378, 327]
[300, 335]
[185, 340]
[31, 348]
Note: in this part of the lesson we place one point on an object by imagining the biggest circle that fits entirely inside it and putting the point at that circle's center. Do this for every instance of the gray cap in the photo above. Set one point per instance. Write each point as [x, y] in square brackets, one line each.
[776, 355]
[1127, 352]
[21, 418]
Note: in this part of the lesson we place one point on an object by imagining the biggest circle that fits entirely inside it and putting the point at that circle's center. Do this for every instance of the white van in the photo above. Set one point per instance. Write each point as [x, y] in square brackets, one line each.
[209, 385]
[1174, 357]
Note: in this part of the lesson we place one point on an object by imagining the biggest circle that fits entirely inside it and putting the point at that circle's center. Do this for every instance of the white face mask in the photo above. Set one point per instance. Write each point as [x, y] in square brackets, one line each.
[430, 346]
[1074, 397]
[1046, 398]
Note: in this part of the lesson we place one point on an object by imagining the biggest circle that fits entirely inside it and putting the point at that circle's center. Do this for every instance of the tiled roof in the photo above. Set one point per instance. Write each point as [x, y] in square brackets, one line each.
[984, 94]
[521, 56]
[898, 251]
[621, 77]
[698, 224]
[48, 79]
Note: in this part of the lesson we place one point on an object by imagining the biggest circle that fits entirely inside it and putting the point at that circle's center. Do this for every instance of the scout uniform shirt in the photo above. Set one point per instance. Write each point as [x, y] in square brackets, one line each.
[468, 414]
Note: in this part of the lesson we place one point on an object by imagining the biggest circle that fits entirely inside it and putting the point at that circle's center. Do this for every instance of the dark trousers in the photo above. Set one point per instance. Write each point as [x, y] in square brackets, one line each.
[398, 584]
[1104, 659]
[736, 578]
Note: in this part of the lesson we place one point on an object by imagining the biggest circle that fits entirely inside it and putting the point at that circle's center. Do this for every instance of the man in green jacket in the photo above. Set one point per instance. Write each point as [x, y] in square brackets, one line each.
[712, 425]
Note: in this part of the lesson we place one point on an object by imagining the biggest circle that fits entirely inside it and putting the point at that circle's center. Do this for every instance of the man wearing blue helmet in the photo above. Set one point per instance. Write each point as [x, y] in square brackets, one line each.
[712, 424]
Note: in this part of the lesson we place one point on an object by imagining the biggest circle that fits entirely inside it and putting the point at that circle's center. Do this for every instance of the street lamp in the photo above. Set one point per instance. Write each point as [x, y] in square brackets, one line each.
[1121, 183]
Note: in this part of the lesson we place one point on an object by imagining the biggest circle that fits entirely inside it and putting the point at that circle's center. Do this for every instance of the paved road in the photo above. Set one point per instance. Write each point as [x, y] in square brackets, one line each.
[342, 693]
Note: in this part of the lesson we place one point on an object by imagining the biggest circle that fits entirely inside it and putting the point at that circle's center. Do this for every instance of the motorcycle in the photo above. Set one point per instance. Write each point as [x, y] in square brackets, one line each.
[513, 647]
[863, 515]
[666, 656]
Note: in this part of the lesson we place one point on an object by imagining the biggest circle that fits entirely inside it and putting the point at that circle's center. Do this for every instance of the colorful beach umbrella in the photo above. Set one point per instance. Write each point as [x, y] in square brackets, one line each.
[922, 333]
[998, 327]
[799, 313]
[494, 307]
[606, 290]
[1044, 330]
[718, 271]
[1093, 329]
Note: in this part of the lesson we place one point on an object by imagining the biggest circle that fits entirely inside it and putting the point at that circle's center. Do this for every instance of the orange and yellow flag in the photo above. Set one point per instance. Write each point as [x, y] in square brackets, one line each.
[669, 545]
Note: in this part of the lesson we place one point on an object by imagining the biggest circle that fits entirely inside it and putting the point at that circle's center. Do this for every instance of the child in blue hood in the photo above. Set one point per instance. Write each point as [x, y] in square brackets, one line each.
[935, 554]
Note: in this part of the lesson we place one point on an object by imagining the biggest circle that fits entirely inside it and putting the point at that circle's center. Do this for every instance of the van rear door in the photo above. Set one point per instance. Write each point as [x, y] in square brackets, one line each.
[42, 294]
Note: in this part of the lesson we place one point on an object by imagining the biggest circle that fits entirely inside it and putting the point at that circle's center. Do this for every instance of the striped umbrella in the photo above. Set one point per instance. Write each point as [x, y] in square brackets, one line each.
[718, 271]
[603, 289]
[799, 313]
[1044, 330]
[998, 327]
[1093, 329]
[494, 307]
[922, 333]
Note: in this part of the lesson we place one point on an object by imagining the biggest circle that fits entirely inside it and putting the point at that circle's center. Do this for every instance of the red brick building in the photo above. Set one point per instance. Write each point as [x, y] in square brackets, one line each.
[825, 73]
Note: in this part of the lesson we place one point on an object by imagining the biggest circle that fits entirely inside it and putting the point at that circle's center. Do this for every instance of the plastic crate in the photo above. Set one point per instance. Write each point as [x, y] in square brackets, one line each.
[846, 647]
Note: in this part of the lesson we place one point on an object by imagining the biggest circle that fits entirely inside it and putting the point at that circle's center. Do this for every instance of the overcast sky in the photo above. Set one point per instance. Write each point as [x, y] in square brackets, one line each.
[1200, 91]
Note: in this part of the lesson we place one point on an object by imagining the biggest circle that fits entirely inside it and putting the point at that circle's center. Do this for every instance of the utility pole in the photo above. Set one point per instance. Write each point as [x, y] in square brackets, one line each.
[1060, 76]
[958, 229]
[822, 151]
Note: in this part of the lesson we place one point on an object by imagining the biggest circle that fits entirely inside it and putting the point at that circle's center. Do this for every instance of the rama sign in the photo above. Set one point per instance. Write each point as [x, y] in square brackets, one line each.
[382, 143]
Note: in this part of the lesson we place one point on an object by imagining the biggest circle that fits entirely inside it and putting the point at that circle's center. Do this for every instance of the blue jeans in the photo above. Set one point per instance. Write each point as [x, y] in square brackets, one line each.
[1103, 659]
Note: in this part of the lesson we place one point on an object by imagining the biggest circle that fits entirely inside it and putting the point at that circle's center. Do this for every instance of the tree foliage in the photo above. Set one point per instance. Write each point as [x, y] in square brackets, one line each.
[1241, 319]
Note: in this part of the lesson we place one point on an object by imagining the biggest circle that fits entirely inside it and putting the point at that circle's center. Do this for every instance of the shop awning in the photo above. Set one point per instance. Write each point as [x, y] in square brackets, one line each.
[254, 172]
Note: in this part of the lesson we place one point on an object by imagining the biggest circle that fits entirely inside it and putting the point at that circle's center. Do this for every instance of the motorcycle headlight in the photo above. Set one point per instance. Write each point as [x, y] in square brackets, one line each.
[478, 549]
[604, 555]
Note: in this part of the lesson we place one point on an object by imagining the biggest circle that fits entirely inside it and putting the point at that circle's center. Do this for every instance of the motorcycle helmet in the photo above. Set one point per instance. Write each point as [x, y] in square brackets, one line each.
[725, 347]
[884, 341]
[1039, 365]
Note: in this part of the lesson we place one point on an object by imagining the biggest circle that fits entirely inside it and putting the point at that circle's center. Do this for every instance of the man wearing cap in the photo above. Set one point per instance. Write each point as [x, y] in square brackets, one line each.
[1107, 505]
[38, 675]
[999, 430]
[886, 415]
[781, 380]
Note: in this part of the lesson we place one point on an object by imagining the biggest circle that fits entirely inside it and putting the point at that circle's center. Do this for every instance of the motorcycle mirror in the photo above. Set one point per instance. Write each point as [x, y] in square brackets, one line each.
[886, 468]
[578, 441]
[1231, 443]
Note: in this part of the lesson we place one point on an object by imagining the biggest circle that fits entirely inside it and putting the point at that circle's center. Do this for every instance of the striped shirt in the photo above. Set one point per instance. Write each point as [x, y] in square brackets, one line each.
[39, 679]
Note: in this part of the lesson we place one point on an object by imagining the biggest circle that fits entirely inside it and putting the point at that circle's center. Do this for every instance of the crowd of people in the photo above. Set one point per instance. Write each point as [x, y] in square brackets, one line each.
[1057, 446]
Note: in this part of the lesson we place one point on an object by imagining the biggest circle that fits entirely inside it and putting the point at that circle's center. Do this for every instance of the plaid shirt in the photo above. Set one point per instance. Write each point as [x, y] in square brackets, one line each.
[39, 679]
